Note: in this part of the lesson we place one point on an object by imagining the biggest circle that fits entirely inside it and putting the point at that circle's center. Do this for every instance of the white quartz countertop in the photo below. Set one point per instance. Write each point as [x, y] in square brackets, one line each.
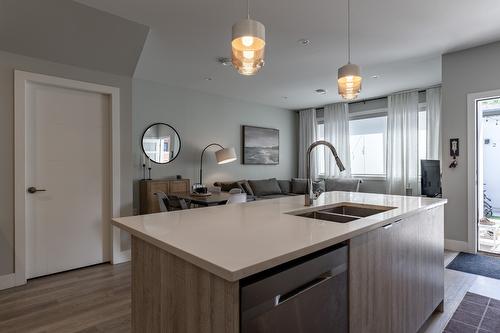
[236, 241]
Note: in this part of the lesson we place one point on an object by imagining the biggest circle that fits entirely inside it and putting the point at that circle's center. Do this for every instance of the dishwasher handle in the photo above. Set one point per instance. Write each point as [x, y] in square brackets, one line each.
[280, 299]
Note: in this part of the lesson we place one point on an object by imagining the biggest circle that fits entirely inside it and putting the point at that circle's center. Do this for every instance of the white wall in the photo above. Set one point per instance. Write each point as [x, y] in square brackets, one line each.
[201, 119]
[464, 72]
[8, 63]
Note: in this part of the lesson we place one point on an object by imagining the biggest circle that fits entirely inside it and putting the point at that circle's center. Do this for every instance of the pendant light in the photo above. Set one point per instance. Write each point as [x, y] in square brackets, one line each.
[349, 77]
[248, 45]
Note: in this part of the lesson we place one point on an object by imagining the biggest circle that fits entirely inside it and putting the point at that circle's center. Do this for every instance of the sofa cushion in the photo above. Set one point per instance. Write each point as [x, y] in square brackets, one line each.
[245, 187]
[342, 184]
[286, 186]
[274, 196]
[265, 187]
[299, 185]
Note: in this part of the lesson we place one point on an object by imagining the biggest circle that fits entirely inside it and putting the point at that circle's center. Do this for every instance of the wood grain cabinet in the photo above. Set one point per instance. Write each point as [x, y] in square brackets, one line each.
[397, 274]
[148, 188]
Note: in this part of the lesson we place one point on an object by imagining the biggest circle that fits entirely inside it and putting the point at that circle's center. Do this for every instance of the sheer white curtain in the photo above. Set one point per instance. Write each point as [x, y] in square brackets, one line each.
[402, 143]
[433, 123]
[336, 118]
[307, 135]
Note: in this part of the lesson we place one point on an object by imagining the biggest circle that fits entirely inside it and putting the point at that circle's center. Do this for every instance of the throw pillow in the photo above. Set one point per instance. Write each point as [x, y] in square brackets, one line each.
[319, 186]
[299, 185]
[226, 186]
[265, 187]
[286, 186]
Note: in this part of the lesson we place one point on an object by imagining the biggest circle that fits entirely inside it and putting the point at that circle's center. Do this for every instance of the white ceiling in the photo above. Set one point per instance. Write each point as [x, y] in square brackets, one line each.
[399, 40]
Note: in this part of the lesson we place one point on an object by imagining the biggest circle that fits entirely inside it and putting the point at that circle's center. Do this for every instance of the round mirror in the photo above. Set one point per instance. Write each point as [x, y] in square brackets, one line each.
[161, 143]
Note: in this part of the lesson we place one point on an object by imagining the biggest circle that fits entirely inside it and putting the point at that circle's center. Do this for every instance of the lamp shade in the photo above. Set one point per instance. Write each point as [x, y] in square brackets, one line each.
[225, 155]
[248, 45]
[349, 81]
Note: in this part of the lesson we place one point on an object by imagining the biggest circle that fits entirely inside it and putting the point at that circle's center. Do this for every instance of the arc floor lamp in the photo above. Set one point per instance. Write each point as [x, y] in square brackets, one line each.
[223, 156]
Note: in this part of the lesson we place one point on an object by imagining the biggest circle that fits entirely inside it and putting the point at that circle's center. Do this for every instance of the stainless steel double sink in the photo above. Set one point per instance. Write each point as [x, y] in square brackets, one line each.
[343, 212]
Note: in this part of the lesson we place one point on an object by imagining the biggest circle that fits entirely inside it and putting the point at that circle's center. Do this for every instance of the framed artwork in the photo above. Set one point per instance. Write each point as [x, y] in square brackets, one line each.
[261, 145]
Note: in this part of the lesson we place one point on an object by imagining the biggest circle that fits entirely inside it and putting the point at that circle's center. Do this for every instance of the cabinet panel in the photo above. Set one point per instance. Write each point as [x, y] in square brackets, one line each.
[397, 274]
[418, 285]
[406, 280]
[370, 288]
[179, 186]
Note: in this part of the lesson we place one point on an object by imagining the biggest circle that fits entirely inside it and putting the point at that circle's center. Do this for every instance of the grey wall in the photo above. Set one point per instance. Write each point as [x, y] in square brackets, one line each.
[70, 33]
[464, 72]
[201, 119]
[8, 63]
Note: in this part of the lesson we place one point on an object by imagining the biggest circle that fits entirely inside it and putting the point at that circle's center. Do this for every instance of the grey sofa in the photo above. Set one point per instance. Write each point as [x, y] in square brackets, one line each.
[273, 188]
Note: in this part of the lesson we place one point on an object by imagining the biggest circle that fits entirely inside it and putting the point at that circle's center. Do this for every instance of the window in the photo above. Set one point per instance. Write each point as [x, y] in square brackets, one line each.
[368, 146]
[368, 142]
[320, 150]
[422, 137]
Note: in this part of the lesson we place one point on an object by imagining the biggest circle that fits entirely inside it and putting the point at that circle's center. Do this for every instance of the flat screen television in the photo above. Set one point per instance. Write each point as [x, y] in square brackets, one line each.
[431, 178]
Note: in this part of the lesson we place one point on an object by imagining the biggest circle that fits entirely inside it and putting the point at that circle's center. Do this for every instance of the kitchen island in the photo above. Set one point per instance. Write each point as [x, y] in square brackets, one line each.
[188, 266]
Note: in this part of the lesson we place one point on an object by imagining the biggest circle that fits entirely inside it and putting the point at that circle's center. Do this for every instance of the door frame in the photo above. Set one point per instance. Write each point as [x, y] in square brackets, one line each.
[21, 79]
[472, 164]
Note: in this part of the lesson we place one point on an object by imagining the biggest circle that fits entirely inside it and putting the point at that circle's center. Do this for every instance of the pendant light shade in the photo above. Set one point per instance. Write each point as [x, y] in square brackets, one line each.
[349, 81]
[248, 45]
[349, 76]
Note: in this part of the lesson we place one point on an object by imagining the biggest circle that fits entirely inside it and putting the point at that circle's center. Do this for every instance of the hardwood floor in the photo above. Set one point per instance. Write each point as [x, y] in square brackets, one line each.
[97, 299]
[93, 299]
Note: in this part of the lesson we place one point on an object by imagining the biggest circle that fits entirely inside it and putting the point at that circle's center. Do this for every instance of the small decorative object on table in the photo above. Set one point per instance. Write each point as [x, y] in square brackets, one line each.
[143, 167]
[199, 189]
[149, 169]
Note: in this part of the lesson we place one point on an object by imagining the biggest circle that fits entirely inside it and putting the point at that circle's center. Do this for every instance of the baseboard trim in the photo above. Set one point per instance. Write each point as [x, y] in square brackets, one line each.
[9, 281]
[122, 257]
[457, 246]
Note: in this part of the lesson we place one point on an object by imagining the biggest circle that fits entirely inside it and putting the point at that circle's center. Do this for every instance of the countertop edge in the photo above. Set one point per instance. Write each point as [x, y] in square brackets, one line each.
[234, 276]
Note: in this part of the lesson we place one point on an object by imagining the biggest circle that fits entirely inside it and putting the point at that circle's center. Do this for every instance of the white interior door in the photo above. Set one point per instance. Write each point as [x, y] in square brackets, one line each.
[68, 156]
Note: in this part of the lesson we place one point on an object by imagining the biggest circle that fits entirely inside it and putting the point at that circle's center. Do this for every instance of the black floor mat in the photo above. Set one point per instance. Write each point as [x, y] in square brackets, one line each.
[478, 264]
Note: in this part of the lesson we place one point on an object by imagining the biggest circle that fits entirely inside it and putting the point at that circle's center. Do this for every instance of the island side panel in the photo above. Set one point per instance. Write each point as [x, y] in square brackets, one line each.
[397, 274]
[172, 295]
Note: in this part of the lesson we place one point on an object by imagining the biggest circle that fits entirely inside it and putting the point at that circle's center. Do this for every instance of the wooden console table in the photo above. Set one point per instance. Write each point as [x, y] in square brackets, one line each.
[148, 188]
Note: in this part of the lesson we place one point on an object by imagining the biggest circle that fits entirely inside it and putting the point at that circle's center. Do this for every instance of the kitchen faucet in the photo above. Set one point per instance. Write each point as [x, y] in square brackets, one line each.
[310, 195]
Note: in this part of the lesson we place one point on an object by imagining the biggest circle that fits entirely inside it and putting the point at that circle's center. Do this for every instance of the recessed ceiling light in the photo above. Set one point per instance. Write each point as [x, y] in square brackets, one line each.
[320, 91]
[208, 78]
[375, 76]
[224, 61]
[304, 41]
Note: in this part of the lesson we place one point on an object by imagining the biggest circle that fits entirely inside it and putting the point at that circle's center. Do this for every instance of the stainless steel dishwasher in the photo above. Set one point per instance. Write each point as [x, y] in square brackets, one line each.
[309, 295]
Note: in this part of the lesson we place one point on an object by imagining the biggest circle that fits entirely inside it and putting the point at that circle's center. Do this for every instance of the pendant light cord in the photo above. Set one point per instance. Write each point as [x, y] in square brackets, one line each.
[349, 31]
[248, 9]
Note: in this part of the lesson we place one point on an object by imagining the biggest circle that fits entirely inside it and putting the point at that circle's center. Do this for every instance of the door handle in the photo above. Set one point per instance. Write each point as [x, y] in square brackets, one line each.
[34, 190]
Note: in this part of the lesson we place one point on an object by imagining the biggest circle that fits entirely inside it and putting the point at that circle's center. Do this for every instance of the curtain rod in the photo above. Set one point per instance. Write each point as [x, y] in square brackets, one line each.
[419, 90]
[382, 97]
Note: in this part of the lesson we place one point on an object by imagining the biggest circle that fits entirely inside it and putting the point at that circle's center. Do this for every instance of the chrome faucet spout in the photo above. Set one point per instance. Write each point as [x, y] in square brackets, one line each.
[310, 196]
